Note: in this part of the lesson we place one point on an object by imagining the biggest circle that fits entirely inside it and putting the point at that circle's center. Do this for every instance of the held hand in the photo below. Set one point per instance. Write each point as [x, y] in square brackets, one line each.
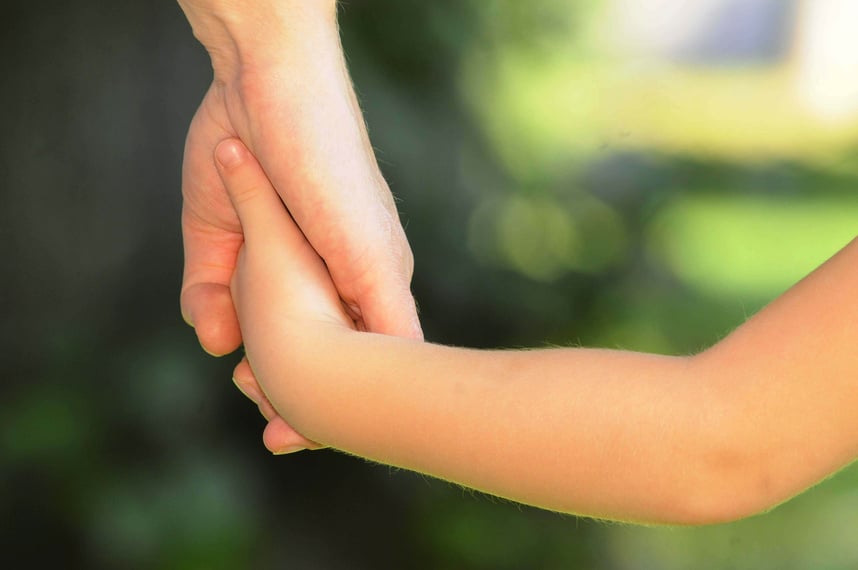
[290, 99]
[279, 283]
[212, 237]
[279, 437]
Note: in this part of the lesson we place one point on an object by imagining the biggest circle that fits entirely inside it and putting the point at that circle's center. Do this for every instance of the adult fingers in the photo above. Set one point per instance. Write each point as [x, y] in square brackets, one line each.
[211, 237]
[383, 294]
[208, 308]
[206, 302]
[388, 307]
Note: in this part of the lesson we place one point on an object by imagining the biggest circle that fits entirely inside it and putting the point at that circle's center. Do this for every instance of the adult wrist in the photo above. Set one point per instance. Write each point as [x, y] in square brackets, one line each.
[256, 33]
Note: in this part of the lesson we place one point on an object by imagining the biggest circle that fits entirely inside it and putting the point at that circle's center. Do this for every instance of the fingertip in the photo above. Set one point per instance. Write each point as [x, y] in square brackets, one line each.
[208, 306]
[218, 338]
[409, 328]
[245, 381]
[279, 438]
[249, 390]
[242, 371]
[254, 199]
[230, 153]
[397, 318]
[186, 305]
[187, 318]
[415, 328]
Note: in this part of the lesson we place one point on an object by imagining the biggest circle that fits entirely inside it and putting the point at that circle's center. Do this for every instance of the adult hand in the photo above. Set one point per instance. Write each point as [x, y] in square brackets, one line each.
[282, 87]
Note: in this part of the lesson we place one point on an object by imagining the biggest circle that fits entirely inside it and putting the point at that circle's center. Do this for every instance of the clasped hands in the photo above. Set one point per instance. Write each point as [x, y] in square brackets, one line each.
[327, 244]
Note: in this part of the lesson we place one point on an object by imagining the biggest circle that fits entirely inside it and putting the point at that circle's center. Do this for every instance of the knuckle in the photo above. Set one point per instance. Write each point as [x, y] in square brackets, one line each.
[245, 194]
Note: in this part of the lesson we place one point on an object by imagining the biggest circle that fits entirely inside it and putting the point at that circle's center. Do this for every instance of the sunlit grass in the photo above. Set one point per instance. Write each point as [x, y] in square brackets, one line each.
[751, 245]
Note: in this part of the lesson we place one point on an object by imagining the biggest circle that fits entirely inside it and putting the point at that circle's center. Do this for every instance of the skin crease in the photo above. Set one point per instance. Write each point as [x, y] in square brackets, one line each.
[722, 435]
[281, 85]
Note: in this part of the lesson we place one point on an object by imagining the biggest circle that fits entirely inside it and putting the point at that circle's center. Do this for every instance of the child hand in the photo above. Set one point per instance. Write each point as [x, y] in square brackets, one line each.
[280, 286]
[279, 437]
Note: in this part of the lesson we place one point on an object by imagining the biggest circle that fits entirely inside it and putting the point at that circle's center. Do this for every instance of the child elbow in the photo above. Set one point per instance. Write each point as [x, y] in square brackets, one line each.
[718, 506]
[733, 485]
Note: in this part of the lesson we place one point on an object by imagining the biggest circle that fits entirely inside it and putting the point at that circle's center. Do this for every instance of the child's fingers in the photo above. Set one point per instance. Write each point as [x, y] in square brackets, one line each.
[279, 438]
[246, 383]
[285, 260]
[264, 219]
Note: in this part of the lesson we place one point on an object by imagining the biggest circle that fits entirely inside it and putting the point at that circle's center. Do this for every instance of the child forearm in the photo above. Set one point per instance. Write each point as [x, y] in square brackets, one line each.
[604, 433]
[713, 437]
[611, 434]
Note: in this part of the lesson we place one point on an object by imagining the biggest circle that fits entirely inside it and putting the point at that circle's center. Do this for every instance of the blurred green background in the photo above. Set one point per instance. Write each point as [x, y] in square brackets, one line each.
[636, 174]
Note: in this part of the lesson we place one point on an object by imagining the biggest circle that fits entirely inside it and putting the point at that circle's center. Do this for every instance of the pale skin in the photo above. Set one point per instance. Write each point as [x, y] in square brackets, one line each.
[713, 437]
[281, 86]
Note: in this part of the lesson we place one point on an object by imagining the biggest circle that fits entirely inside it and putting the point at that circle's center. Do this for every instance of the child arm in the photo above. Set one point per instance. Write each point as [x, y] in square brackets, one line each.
[609, 434]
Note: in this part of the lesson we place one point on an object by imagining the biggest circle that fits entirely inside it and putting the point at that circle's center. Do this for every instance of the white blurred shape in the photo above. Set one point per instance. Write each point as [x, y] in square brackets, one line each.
[660, 27]
[703, 31]
[827, 58]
